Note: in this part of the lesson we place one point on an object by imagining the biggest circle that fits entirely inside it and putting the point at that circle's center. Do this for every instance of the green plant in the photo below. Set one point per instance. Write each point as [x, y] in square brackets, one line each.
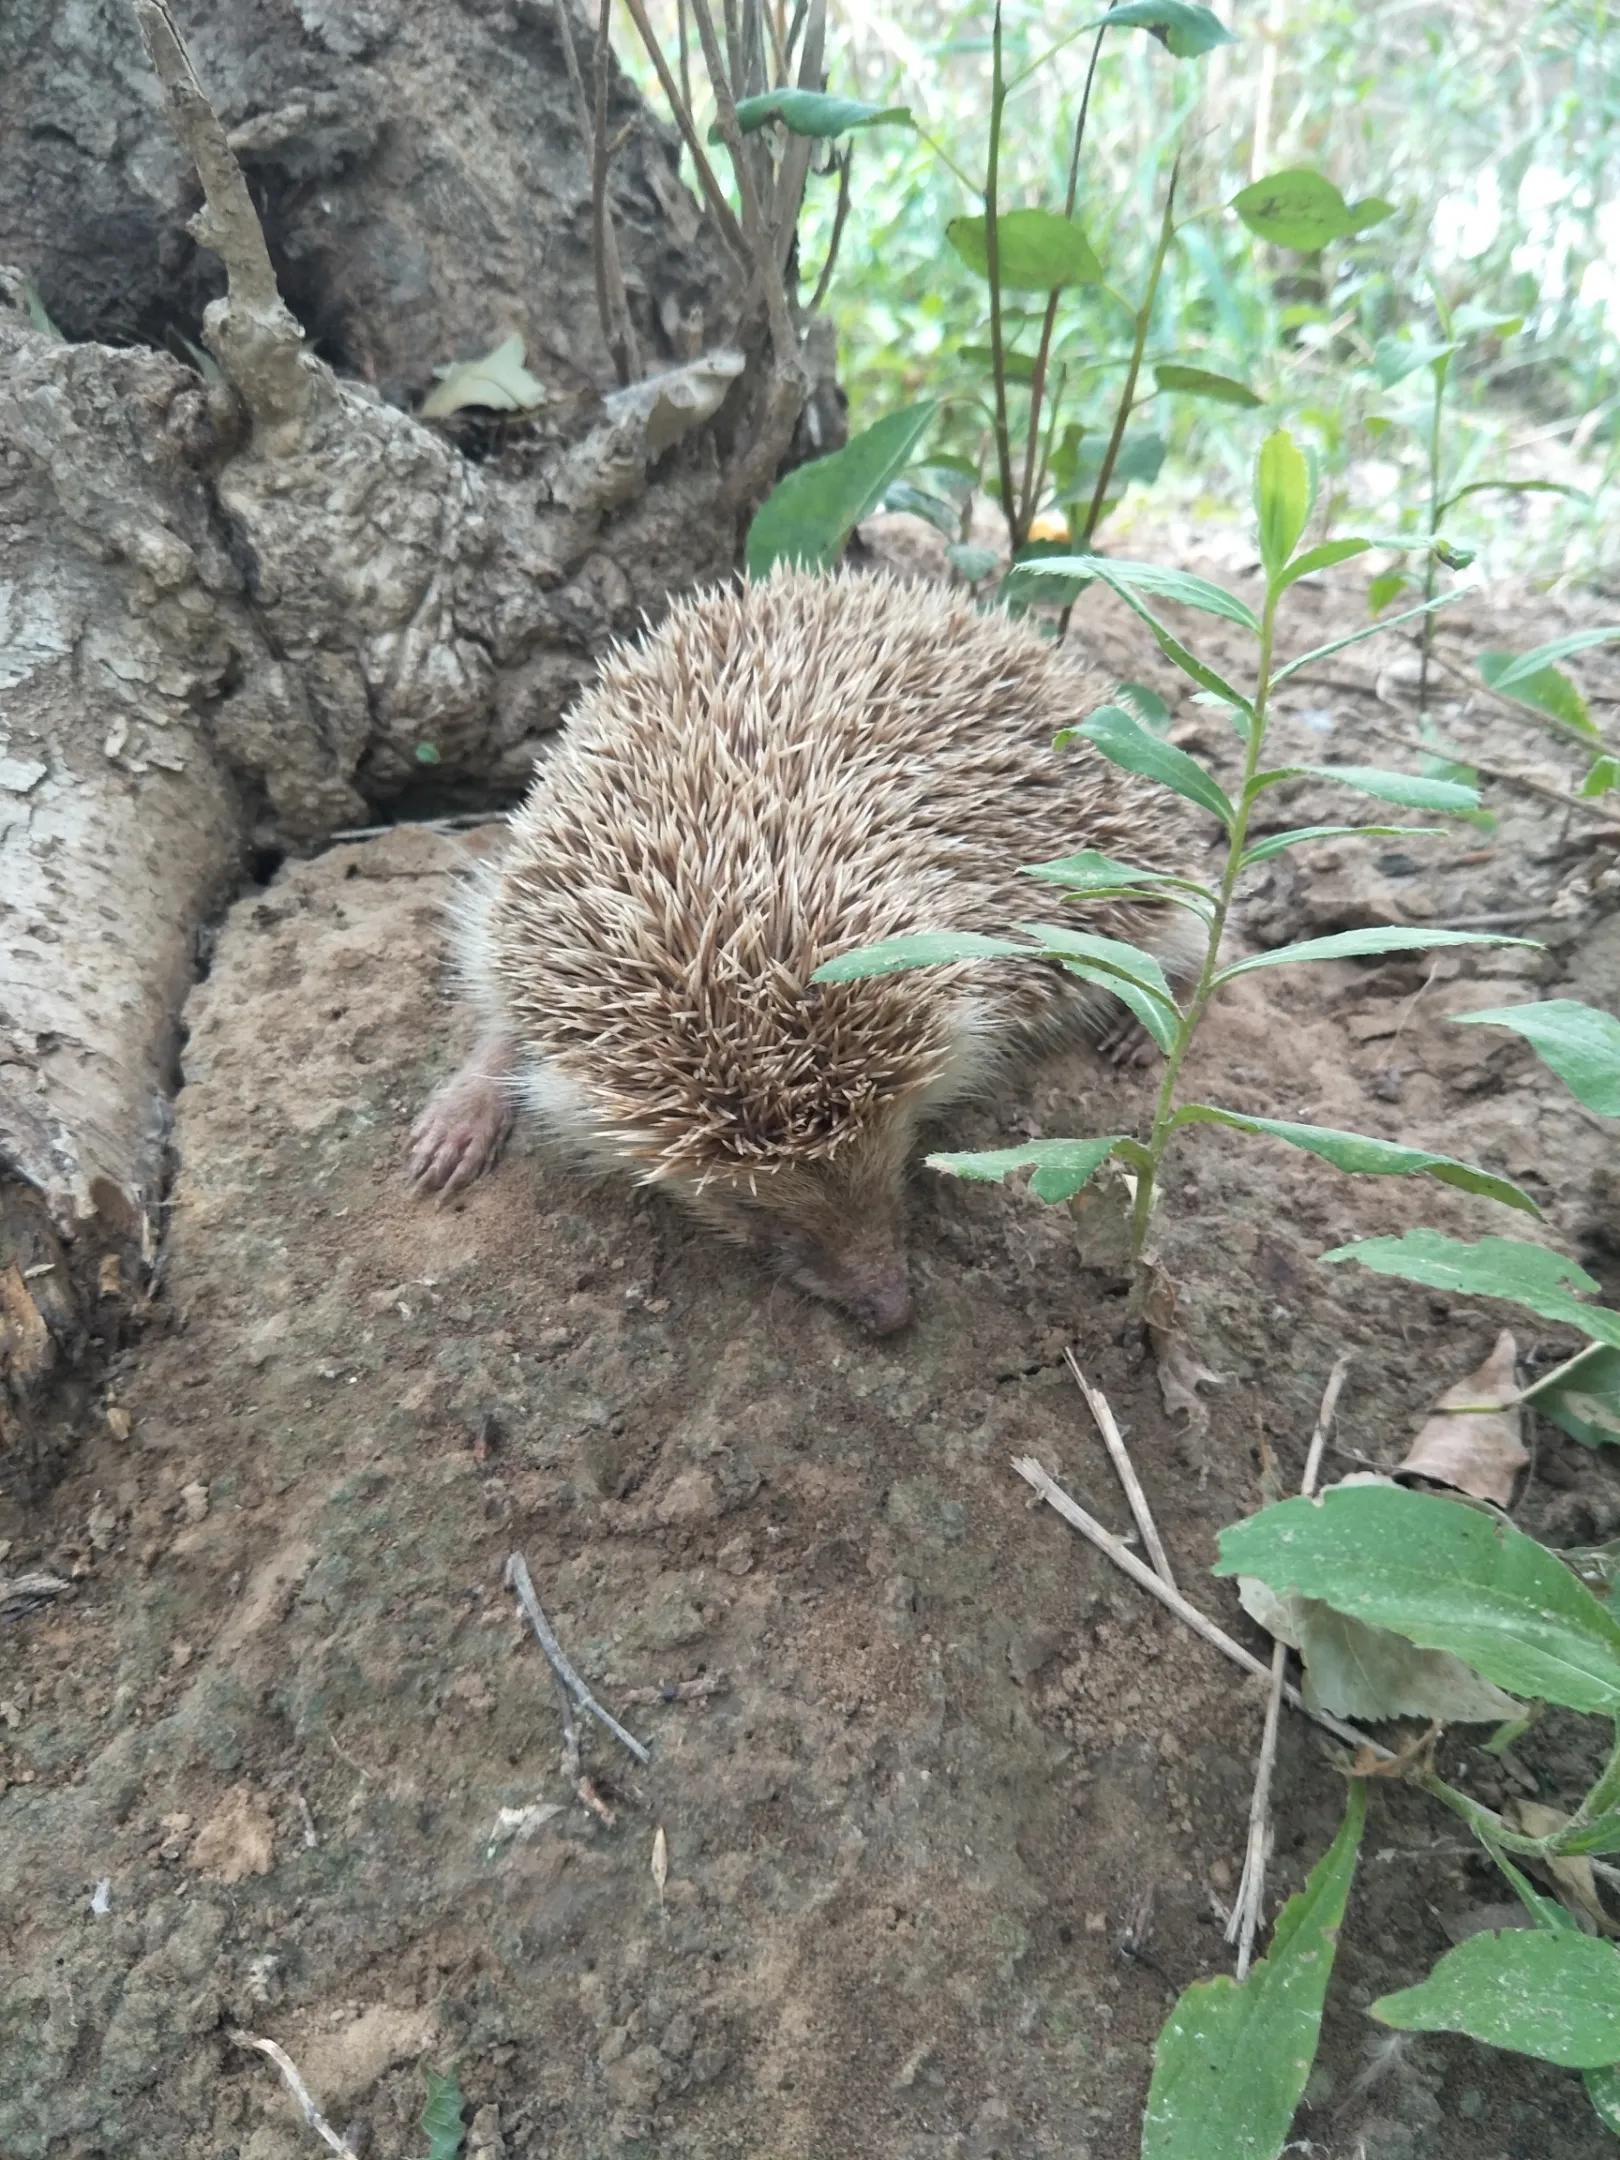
[1533, 680]
[441, 2118]
[1283, 491]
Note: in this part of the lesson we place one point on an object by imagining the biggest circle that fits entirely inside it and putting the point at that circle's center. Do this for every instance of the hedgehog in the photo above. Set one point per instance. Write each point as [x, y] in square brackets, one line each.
[781, 771]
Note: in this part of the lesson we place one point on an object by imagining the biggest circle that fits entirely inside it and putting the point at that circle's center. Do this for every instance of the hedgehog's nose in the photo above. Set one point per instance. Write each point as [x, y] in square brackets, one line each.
[886, 1308]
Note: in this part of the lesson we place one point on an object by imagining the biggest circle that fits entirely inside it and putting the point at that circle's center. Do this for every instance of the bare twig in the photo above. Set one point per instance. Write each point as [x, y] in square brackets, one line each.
[1244, 1923]
[1123, 1558]
[612, 306]
[519, 1581]
[1103, 1417]
[299, 2090]
[724, 216]
[840, 212]
[784, 343]
[698, 1690]
[789, 195]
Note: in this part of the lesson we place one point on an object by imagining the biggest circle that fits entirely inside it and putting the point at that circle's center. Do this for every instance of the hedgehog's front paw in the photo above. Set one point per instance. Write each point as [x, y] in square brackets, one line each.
[1128, 1046]
[460, 1133]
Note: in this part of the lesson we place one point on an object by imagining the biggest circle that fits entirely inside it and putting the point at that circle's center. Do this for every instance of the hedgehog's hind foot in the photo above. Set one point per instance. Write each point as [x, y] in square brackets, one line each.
[465, 1125]
[1126, 1045]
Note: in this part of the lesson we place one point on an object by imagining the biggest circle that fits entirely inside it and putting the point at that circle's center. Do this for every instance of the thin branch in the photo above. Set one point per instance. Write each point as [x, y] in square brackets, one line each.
[1568, 803]
[520, 1583]
[992, 256]
[789, 198]
[299, 2090]
[784, 344]
[1123, 1558]
[1244, 1923]
[1103, 1417]
[684, 38]
[724, 216]
[612, 305]
[840, 212]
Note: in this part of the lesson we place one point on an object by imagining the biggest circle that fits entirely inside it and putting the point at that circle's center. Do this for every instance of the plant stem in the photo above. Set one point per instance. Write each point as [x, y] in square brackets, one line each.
[992, 250]
[1430, 560]
[1049, 321]
[1165, 1109]
[1144, 315]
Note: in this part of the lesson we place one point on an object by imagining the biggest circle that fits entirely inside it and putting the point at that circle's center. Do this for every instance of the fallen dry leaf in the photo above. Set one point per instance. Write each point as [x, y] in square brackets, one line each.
[1472, 1449]
[1572, 1876]
[1180, 1370]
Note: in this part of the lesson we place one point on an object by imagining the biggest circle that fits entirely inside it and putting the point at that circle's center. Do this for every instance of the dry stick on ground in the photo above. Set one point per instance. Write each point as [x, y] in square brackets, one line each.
[520, 1582]
[1138, 1570]
[1097, 1403]
[1245, 1917]
[299, 2090]
[698, 1690]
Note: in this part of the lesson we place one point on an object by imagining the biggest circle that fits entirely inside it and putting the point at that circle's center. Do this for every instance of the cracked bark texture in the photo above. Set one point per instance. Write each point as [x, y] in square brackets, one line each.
[244, 613]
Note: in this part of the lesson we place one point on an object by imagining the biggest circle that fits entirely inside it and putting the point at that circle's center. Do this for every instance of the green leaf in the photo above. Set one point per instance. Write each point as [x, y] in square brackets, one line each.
[1413, 791]
[809, 515]
[1531, 663]
[441, 2118]
[1282, 499]
[1016, 366]
[1146, 704]
[1382, 590]
[1492, 1267]
[925, 948]
[497, 383]
[1232, 2061]
[973, 563]
[1322, 558]
[1603, 2090]
[1548, 691]
[1089, 872]
[1061, 1167]
[1580, 1044]
[1361, 1155]
[1125, 742]
[1279, 843]
[1367, 211]
[1295, 209]
[910, 500]
[1185, 30]
[39, 315]
[1445, 1575]
[1199, 382]
[1036, 250]
[1583, 1396]
[1159, 1020]
[1602, 777]
[1556, 1997]
[812, 112]
[427, 753]
[1353, 944]
[1394, 358]
[1169, 645]
[1113, 955]
[1514, 487]
[1354, 637]
[1164, 584]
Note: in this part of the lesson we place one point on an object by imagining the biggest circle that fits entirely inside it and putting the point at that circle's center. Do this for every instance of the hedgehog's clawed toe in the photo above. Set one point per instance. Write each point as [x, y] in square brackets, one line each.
[458, 1135]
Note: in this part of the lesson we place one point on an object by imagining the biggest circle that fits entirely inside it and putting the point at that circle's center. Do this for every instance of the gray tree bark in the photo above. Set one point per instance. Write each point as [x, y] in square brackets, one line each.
[245, 607]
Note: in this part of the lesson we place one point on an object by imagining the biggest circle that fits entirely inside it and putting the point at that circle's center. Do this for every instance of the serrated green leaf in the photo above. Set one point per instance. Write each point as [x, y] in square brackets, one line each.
[1199, 382]
[1583, 1396]
[1369, 1673]
[1413, 791]
[1354, 637]
[812, 112]
[1279, 843]
[1061, 1167]
[1282, 499]
[1231, 2064]
[1446, 1576]
[1168, 644]
[1154, 578]
[1322, 558]
[1354, 944]
[1548, 691]
[1125, 742]
[1295, 209]
[1554, 1996]
[1089, 872]
[1183, 28]
[1578, 1042]
[1491, 1267]
[925, 948]
[1159, 1020]
[441, 2118]
[1361, 1155]
[810, 514]
[1113, 955]
[1036, 250]
[1540, 656]
[1145, 704]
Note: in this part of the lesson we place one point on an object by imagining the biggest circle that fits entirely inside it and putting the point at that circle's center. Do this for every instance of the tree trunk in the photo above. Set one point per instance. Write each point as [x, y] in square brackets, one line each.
[247, 605]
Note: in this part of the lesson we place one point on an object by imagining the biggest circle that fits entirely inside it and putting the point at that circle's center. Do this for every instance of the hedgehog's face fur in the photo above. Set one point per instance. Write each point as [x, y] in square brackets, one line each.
[834, 1227]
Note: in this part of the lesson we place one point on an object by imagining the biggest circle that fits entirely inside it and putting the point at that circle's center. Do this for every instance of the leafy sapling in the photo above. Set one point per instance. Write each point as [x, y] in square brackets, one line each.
[1283, 502]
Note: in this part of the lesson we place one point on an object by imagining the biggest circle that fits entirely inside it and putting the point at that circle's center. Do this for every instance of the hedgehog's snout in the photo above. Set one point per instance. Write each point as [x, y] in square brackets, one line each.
[873, 1288]
[885, 1308]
